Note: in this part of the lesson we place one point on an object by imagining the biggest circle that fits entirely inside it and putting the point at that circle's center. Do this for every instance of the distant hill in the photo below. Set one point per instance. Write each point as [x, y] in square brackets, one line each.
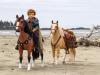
[80, 28]
[45, 28]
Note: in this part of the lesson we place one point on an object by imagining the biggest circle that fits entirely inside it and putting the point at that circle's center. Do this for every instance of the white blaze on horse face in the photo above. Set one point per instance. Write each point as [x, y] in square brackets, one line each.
[53, 28]
[17, 24]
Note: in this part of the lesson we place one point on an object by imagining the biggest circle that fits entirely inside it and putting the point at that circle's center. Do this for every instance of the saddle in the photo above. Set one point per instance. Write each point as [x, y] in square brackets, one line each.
[70, 39]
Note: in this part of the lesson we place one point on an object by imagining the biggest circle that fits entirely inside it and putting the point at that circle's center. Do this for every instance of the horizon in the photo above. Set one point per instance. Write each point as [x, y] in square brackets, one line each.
[82, 27]
[70, 13]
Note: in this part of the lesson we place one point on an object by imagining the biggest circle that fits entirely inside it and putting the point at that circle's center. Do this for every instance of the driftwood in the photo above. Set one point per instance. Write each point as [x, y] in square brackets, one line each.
[90, 40]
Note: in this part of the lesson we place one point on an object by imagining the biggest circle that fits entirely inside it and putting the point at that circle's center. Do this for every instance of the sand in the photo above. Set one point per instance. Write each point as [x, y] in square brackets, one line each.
[87, 60]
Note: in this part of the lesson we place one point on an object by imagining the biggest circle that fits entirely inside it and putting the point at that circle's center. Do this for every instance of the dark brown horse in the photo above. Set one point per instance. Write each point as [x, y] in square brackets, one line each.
[25, 41]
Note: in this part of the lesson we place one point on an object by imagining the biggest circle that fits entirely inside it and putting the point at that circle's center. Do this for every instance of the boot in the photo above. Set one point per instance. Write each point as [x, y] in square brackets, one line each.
[16, 47]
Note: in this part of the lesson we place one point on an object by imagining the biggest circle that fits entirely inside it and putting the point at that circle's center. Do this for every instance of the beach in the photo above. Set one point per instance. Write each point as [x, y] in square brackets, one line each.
[86, 63]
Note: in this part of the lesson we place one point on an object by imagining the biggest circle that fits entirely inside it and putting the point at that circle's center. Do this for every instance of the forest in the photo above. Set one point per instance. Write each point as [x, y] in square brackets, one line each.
[6, 25]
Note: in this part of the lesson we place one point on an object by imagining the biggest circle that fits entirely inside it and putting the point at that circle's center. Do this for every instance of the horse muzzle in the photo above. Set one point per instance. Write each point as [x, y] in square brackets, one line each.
[53, 31]
[17, 29]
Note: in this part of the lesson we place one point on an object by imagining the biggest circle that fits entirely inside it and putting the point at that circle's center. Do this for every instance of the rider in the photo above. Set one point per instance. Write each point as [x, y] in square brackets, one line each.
[34, 30]
[33, 24]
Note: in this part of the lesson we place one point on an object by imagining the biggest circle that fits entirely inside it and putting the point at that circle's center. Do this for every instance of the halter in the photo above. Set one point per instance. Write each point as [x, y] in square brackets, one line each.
[54, 29]
[58, 38]
[20, 21]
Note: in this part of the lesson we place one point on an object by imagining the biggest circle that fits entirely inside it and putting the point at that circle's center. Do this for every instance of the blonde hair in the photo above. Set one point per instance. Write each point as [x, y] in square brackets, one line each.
[31, 11]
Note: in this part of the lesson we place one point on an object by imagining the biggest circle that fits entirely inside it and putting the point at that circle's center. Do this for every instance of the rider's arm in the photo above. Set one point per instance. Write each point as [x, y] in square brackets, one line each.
[36, 26]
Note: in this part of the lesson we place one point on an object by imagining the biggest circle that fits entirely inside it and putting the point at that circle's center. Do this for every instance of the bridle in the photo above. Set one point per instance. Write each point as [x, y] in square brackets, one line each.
[54, 45]
[54, 29]
[20, 25]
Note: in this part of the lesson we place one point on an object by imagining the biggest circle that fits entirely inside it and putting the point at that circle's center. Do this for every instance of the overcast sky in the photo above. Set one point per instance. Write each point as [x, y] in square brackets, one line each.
[69, 13]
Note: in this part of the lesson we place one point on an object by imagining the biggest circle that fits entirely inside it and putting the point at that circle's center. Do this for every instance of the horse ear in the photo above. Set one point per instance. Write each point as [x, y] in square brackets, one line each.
[52, 21]
[22, 16]
[17, 16]
[57, 21]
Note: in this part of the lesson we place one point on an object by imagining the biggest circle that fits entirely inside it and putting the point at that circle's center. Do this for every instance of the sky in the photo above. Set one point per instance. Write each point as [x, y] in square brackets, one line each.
[69, 13]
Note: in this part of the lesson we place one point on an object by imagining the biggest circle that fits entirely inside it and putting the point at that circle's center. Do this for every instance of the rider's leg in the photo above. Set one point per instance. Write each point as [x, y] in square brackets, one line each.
[36, 42]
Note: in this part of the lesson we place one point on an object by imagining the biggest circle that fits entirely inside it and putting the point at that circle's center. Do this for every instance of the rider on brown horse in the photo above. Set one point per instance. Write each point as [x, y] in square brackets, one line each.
[34, 31]
[33, 24]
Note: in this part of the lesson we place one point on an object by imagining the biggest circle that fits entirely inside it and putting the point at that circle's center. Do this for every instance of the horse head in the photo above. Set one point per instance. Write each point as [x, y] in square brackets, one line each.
[54, 27]
[20, 23]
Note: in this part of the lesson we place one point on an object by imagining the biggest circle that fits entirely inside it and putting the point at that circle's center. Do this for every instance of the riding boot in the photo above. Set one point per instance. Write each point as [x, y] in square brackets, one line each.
[16, 47]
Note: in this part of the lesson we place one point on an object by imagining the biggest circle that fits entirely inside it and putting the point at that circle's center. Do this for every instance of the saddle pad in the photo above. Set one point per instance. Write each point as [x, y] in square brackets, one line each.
[70, 40]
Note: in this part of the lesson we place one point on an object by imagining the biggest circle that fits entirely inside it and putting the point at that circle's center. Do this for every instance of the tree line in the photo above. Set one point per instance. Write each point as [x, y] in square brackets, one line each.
[6, 25]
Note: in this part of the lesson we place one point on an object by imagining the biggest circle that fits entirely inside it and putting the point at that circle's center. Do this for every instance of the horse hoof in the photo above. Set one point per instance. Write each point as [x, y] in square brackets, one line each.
[33, 65]
[20, 65]
[64, 62]
[29, 67]
[55, 63]
[42, 65]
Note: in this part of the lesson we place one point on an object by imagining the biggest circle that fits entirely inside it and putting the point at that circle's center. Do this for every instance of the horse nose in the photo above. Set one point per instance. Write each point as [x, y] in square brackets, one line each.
[17, 24]
[17, 29]
[53, 31]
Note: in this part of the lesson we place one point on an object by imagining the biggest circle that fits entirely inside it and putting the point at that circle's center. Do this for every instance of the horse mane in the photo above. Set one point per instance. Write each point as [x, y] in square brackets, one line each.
[26, 28]
[61, 31]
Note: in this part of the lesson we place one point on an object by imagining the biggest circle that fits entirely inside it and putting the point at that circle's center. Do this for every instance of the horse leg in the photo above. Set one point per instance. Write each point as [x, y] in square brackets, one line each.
[20, 58]
[53, 54]
[72, 54]
[57, 55]
[64, 57]
[42, 62]
[29, 58]
[33, 63]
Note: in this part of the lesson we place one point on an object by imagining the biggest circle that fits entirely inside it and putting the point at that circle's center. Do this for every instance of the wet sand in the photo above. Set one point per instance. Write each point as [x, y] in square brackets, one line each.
[87, 60]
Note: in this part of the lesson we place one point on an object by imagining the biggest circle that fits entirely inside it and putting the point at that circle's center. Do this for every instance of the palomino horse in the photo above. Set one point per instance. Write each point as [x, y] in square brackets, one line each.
[25, 42]
[58, 42]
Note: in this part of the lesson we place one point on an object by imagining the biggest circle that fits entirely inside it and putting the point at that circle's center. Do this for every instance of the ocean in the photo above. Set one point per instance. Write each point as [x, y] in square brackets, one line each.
[46, 33]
